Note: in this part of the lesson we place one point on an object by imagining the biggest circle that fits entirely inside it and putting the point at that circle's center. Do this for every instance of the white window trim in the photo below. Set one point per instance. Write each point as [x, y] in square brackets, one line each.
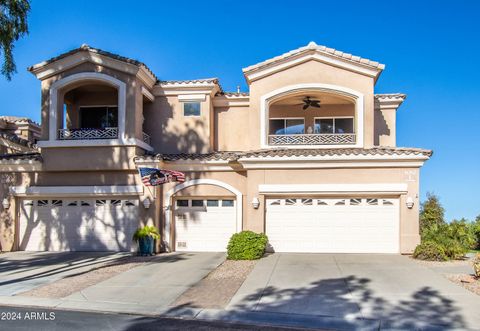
[168, 203]
[333, 118]
[270, 97]
[191, 101]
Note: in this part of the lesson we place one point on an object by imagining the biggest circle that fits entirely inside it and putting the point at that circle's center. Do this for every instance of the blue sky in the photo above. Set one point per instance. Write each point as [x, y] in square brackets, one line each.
[430, 48]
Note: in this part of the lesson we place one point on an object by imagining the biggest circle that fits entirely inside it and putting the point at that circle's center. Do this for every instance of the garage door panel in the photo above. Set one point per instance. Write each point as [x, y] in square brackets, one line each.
[77, 225]
[346, 225]
[204, 228]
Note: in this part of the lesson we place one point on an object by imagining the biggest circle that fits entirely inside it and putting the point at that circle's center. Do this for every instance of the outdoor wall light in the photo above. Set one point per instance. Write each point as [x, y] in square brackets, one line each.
[6, 203]
[410, 203]
[147, 203]
[255, 203]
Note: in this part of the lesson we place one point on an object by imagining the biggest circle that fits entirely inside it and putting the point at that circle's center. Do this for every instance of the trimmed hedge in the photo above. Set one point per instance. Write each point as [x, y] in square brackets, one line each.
[246, 245]
[431, 251]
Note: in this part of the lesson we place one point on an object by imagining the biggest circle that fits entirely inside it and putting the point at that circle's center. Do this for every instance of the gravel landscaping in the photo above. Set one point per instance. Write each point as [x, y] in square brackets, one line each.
[218, 287]
[468, 281]
[69, 285]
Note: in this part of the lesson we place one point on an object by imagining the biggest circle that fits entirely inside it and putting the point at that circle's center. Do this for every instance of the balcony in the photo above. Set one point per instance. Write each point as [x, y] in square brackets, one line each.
[88, 134]
[312, 139]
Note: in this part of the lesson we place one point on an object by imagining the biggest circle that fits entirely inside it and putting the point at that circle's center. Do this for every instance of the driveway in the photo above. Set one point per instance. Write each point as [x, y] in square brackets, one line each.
[23, 271]
[353, 291]
[146, 289]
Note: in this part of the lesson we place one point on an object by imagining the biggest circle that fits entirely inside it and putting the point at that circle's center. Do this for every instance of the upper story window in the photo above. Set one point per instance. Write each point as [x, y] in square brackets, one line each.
[334, 125]
[283, 126]
[98, 117]
[191, 109]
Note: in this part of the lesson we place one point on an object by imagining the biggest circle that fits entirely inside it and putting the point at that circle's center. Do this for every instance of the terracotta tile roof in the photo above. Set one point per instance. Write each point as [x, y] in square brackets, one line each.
[232, 156]
[387, 96]
[189, 81]
[21, 157]
[233, 94]
[322, 49]
[17, 140]
[17, 119]
[87, 48]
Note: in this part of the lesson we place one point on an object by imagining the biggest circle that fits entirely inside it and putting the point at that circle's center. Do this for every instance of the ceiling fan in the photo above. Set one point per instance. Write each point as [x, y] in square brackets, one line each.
[309, 102]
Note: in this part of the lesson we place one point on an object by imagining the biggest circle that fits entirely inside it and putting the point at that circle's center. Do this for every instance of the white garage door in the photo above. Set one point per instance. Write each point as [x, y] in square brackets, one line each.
[78, 225]
[346, 225]
[204, 225]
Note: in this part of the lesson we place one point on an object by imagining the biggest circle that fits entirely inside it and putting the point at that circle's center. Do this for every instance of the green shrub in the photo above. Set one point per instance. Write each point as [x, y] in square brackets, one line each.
[246, 245]
[431, 251]
[475, 228]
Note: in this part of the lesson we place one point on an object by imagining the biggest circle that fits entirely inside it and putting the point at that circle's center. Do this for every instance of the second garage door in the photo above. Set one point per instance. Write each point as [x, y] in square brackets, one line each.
[204, 225]
[344, 225]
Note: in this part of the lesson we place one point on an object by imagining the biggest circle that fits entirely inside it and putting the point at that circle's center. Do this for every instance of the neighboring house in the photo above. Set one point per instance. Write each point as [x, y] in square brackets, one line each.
[314, 179]
[18, 135]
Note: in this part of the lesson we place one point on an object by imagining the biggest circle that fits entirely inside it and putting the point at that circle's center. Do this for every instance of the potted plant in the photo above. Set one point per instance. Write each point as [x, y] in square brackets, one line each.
[146, 237]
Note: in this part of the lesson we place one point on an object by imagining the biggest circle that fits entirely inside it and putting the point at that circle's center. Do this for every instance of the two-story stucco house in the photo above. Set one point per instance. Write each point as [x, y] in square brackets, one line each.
[308, 156]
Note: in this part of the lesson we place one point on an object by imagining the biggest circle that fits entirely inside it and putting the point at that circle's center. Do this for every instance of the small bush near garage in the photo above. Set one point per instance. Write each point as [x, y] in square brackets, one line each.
[455, 238]
[246, 245]
[430, 251]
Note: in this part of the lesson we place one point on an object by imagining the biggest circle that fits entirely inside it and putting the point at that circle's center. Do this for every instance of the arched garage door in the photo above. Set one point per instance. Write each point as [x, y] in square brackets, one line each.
[327, 225]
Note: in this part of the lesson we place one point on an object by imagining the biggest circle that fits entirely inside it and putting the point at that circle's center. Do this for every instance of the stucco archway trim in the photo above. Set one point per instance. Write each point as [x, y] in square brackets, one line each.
[95, 76]
[357, 97]
[194, 182]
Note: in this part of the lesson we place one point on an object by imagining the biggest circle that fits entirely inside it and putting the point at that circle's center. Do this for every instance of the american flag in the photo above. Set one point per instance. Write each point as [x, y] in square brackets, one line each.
[154, 176]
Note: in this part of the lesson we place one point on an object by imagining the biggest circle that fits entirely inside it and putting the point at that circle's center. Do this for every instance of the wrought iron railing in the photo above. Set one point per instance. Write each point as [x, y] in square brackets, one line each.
[87, 134]
[312, 139]
[146, 138]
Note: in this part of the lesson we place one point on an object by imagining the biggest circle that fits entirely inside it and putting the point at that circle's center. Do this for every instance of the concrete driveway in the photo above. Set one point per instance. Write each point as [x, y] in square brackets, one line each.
[354, 291]
[23, 271]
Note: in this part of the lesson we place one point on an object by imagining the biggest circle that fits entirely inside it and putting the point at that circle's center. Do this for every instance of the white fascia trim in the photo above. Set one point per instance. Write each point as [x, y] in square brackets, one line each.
[193, 182]
[273, 68]
[180, 92]
[53, 111]
[331, 165]
[268, 98]
[393, 188]
[64, 191]
[147, 94]
[192, 97]
[94, 143]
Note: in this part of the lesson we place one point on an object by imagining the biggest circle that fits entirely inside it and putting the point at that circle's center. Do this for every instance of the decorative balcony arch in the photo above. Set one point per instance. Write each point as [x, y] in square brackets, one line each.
[356, 97]
[86, 76]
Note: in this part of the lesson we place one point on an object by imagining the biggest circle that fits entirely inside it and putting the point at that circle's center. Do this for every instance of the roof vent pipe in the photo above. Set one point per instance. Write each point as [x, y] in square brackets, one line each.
[238, 89]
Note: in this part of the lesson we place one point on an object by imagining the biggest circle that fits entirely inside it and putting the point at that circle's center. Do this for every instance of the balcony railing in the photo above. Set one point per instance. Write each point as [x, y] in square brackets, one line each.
[87, 134]
[312, 139]
[146, 138]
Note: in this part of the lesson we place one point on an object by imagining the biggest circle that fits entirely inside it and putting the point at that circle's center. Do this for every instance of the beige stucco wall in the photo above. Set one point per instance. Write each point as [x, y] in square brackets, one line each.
[8, 217]
[171, 132]
[254, 219]
[231, 129]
